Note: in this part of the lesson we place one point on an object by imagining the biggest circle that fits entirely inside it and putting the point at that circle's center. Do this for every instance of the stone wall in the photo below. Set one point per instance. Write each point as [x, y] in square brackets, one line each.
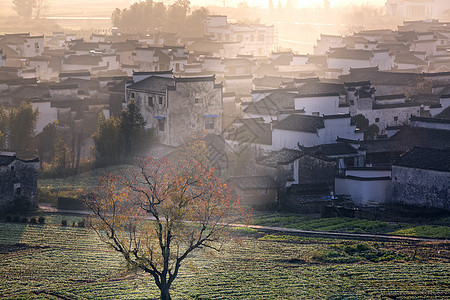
[419, 187]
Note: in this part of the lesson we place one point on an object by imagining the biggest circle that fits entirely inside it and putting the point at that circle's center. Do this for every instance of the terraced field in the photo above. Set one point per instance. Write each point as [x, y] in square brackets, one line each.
[55, 262]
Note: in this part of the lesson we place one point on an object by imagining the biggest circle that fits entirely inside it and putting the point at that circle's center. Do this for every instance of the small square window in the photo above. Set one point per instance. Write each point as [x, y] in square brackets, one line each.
[197, 101]
[377, 120]
[395, 119]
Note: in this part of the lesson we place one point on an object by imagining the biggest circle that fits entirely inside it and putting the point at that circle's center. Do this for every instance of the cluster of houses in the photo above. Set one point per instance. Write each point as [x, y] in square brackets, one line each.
[279, 124]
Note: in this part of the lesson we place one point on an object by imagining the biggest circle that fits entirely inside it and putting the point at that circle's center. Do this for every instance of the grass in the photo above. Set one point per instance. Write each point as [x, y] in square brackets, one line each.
[355, 225]
[86, 180]
[53, 262]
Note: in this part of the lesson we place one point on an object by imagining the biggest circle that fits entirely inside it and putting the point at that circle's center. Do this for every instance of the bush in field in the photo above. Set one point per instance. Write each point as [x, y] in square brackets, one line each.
[41, 220]
[33, 221]
[63, 222]
[81, 224]
[356, 252]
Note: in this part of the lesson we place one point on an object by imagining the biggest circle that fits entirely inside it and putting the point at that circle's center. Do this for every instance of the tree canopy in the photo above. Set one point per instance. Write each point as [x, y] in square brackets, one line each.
[16, 127]
[149, 15]
[370, 131]
[157, 213]
[119, 139]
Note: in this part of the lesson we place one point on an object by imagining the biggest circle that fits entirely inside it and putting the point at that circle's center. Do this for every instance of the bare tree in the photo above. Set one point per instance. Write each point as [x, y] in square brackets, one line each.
[159, 212]
[40, 6]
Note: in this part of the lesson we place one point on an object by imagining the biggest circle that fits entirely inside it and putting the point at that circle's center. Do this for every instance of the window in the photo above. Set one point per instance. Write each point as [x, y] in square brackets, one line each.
[209, 124]
[261, 37]
[315, 113]
[150, 101]
[161, 124]
[251, 38]
[132, 95]
[36, 45]
[377, 120]
[240, 38]
[395, 119]
[197, 101]
[160, 100]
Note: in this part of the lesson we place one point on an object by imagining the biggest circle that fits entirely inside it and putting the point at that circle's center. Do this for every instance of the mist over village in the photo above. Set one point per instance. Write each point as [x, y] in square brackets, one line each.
[198, 149]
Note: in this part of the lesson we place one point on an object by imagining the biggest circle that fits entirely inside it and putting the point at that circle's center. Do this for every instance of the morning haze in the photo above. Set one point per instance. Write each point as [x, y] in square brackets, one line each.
[224, 149]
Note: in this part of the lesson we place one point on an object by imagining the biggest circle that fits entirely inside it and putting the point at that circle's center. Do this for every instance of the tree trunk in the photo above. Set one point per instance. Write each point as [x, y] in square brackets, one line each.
[165, 294]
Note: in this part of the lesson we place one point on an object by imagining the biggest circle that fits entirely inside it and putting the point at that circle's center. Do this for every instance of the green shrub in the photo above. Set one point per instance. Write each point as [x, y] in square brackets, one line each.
[41, 220]
[63, 222]
[33, 221]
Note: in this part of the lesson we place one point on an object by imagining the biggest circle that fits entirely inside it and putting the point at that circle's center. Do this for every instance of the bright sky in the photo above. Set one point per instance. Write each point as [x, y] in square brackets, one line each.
[300, 3]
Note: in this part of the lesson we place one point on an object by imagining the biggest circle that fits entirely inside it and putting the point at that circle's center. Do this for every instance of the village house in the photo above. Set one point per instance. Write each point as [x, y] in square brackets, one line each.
[255, 190]
[18, 183]
[308, 131]
[255, 39]
[176, 107]
[417, 9]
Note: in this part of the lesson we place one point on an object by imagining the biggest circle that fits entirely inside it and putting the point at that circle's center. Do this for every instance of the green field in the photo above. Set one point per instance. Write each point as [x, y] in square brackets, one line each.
[439, 229]
[54, 262]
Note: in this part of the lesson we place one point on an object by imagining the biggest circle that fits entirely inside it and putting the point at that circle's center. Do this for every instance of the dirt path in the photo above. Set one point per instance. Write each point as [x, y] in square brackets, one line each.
[366, 236]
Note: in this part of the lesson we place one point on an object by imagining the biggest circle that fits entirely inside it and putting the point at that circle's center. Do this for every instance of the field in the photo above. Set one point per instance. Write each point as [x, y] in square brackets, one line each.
[54, 262]
[437, 228]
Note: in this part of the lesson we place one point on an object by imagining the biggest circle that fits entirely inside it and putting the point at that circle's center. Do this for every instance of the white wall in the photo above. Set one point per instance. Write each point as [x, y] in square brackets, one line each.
[386, 115]
[362, 191]
[324, 105]
[339, 127]
[289, 139]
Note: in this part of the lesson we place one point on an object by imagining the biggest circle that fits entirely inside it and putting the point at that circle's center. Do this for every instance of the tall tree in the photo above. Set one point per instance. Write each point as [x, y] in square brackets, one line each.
[24, 8]
[108, 148]
[46, 143]
[132, 128]
[22, 121]
[159, 212]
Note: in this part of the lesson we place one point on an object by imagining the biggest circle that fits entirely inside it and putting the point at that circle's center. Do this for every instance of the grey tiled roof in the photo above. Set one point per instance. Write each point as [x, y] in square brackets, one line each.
[379, 77]
[153, 84]
[272, 104]
[302, 123]
[281, 157]
[330, 149]
[271, 81]
[6, 160]
[425, 158]
[85, 60]
[350, 54]
[321, 87]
